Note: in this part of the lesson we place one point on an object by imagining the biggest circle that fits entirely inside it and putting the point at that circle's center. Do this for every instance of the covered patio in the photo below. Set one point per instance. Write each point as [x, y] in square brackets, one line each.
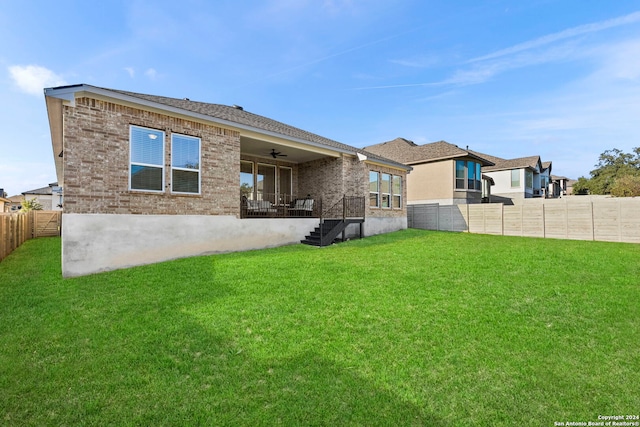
[285, 179]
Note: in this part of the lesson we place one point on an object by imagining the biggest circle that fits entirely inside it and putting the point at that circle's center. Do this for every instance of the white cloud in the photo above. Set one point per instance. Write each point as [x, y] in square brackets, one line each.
[570, 32]
[151, 73]
[130, 71]
[32, 79]
[422, 61]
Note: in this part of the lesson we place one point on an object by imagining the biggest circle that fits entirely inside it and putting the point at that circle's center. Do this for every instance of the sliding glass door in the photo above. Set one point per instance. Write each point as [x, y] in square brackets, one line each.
[246, 180]
[285, 184]
[261, 181]
[266, 182]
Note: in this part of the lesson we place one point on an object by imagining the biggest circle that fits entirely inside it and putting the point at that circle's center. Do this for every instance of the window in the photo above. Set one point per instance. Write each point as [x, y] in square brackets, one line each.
[460, 174]
[266, 182]
[471, 175]
[468, 175]
[528, 179]
[284, 183]
[515, 177]
[146, 148]
[246, 179]
[374, 189]
[185, 164]
[397, 192]
[386, 190]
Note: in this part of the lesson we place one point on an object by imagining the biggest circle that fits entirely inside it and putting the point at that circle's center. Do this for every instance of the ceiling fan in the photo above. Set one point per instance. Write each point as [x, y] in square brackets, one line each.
[275, 153]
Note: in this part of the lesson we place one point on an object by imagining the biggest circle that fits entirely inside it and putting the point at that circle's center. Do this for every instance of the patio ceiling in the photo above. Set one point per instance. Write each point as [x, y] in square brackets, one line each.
[295, 153]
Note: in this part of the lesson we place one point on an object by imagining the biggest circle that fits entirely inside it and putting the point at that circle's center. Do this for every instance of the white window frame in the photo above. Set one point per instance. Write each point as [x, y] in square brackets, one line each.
[383, 194]
[161, 166]
[192, 170]
[515, 183]
[377, 192]
[394, 179]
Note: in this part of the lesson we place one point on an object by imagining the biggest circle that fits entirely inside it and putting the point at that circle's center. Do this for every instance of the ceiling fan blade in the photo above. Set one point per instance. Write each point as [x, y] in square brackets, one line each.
[275, 153]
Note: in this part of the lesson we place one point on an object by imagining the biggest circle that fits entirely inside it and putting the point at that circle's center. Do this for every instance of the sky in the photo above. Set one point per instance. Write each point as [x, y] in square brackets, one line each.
[554, 78]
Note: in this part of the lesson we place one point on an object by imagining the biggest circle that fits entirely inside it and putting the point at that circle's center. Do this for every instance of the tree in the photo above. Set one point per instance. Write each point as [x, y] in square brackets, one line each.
[581, 187]
[30, 205]
[626, 186]
[612, 165]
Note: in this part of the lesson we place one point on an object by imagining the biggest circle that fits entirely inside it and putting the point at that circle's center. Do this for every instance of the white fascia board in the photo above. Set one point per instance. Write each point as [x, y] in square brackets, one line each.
[66, 93]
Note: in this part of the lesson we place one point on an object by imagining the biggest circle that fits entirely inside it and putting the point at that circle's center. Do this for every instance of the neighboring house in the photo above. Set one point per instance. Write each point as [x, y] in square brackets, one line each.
[569, 185]
[16, 202]
[558, 186]
[5, 204]
[545, 180]
[442, 172]
[50, 197]
[516, 179]
[149, 178]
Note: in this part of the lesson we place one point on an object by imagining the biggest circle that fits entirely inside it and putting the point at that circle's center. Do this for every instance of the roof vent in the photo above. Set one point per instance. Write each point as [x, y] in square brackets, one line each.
[186, 99]
[237, 107]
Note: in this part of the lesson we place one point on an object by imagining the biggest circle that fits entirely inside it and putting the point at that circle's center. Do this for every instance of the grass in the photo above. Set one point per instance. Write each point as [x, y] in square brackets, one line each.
[409, 328]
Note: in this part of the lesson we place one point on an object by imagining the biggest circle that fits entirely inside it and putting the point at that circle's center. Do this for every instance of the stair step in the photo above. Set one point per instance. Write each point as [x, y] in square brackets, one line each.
[310, 242]
[329, 228]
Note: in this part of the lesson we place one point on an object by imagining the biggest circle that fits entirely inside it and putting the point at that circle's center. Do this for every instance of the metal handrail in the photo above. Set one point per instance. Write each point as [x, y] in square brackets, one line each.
[347, 207]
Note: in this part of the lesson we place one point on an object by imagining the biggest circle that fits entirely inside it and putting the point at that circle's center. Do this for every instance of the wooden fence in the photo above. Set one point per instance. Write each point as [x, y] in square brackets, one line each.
[577, 218]
[16, 228]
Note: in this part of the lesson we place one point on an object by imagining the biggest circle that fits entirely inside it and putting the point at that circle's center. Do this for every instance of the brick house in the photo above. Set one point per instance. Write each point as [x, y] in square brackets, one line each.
[148, 178]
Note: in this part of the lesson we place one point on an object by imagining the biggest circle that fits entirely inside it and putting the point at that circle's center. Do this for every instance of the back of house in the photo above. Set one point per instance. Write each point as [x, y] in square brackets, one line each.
[148, 178]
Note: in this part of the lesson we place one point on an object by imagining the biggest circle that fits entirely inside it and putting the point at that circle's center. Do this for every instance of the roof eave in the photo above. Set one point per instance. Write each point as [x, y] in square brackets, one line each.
[451, 157]
[69, 93]
[54, 113]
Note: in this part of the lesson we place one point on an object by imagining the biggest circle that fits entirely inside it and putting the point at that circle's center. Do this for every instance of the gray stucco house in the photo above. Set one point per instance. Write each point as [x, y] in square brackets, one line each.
[148, 178]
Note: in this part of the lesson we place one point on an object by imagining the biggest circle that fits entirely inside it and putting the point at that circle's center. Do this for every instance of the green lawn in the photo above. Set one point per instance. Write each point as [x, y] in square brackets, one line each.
[410, 328]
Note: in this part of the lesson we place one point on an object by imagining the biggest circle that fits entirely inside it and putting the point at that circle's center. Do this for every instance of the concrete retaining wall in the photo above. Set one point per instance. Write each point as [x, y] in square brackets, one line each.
[95, 242]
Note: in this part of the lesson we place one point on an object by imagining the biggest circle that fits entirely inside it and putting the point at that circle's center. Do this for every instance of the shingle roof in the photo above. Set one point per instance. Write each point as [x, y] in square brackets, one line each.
[399, 149]
[503, 164]
[240, 116]
[405, 151]
[40, 191]
[522, 162]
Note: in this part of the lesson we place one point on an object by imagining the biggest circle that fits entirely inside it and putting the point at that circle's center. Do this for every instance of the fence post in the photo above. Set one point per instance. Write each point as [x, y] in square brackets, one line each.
[544, 223]
[593, 222]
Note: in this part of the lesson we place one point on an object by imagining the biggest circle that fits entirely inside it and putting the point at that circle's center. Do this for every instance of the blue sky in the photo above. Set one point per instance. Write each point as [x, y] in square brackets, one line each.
[555, 78]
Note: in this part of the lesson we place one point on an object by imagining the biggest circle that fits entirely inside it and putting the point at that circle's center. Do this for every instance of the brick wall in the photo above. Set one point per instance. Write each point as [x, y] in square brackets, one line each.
[96, 163]
[331, 178]
[322, 179]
